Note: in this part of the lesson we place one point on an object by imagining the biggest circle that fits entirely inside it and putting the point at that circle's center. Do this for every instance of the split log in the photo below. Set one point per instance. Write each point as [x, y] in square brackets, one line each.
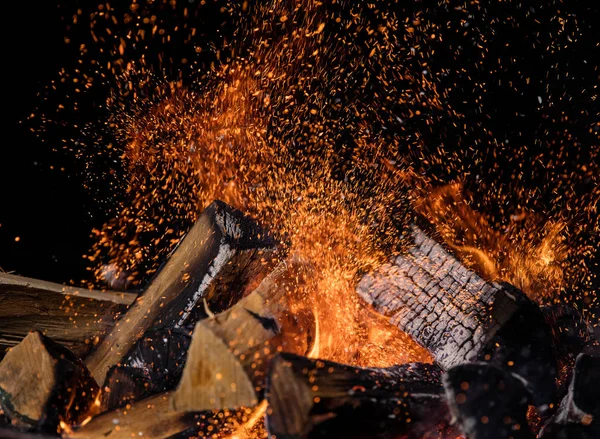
[154, 365]
[317, 398]
[459, 317]
[150, 418]
[488, 402]
[230, 352]
[579, 414]
[71, 316]
[214, 262]
[42, 383]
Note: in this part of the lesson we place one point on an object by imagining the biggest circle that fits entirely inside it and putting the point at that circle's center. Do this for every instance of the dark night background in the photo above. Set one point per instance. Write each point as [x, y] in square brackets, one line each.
[45, 203]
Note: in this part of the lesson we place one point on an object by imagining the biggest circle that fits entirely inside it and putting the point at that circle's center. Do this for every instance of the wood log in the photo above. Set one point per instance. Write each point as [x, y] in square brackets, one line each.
[150, 418]
[230, 352]
[317, 398]
[43, 383]
[459, 317]
[215, 261]
[73, 317]
[579, 414]
[154, 365]
[488, 402]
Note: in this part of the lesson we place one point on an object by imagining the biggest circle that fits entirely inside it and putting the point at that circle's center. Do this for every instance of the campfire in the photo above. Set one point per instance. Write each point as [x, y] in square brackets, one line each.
[291, 252]
[224, 342]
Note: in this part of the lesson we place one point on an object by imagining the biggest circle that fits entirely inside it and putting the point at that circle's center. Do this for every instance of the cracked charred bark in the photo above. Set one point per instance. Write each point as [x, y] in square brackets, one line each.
[460, 317]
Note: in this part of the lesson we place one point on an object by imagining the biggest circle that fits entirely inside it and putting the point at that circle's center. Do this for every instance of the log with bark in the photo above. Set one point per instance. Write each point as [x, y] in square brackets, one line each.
[316, 398]
[460, 317]
[149, 418]
[74, 317]
[215, 262]
[43, 383]
[230, 352]
[488, 402]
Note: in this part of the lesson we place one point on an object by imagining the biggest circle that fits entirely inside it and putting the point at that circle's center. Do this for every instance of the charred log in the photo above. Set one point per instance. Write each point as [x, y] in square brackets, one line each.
[214, 262]
[74, 317]
[316, 398]
[230, 352]
[578, 416]
[488, 402]
[459, 317]
[42, 383]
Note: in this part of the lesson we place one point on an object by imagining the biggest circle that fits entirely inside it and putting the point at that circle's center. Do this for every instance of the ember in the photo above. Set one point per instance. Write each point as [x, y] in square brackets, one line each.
[294, 267]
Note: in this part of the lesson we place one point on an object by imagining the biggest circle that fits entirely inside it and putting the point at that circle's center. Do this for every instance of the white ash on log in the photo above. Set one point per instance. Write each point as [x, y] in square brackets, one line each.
[317, 398]
[460, 317]
[43, 383]
[214, 262]
[230, 352]
[488, 402]
[74, 317]
[578, 416]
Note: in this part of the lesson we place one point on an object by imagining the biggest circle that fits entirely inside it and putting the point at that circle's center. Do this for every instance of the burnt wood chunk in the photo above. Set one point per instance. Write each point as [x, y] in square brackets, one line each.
[578, 416]
[460, 317]
[42, 383]
[488, 402]
[315, 398]
[230, 352]
[71, 316]
[150, 418]
[214, 262]
[123, 385]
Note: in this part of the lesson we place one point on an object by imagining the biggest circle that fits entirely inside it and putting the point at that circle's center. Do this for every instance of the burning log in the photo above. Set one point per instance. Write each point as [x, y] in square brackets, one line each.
[230, 352]
[150, 418]
[43, 383]
[317, 398]
[488, 402]
[72, 316]
[214, 262]
[579, 414]
[459, 317]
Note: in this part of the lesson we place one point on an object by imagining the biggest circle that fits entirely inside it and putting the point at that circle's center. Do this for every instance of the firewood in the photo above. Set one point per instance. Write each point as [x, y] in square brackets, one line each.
[216, 259]
[154, 365]
[460, 317]
[317, 398]
[71, 316]
[15, 434]
[579, 414]
[488, 402]
[42, 383]
[150, 418]
[230, 352]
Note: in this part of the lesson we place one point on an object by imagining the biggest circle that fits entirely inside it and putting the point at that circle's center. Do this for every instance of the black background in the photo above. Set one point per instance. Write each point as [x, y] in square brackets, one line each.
[45, 204]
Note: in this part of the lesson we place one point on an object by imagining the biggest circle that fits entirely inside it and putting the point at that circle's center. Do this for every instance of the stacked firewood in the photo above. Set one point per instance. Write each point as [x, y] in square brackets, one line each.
[214, 330]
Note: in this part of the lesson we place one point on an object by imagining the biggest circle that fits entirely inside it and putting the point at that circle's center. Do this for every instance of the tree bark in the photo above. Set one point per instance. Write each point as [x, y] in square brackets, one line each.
[459, 317]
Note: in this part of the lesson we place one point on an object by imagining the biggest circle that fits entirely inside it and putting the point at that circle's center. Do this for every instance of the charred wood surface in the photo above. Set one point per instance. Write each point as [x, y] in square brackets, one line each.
[316, 398]
[230, 352]
[214, 262]
[71, 316]
[42, 383]
[488, 402]
[460, 317]
[578, 416]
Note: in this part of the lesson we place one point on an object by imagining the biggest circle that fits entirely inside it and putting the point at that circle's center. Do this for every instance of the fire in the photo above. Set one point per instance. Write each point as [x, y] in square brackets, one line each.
[280, 129]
